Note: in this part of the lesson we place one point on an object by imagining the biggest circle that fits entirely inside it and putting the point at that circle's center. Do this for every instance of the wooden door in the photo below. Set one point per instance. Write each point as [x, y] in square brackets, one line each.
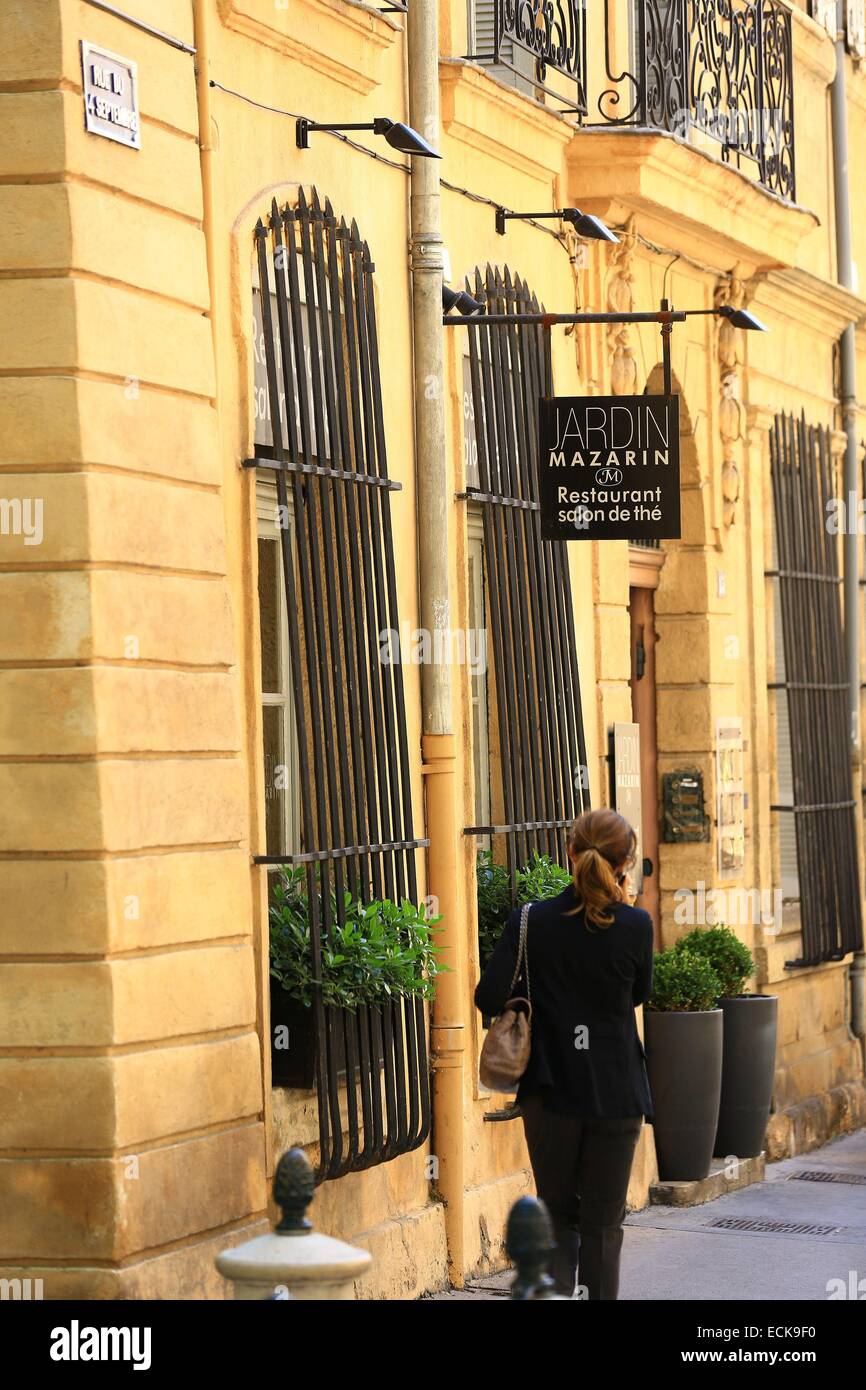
[643, 704]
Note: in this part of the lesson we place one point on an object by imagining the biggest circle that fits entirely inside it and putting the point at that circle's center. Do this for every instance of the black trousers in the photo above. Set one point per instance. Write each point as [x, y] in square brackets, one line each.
[581, 1167]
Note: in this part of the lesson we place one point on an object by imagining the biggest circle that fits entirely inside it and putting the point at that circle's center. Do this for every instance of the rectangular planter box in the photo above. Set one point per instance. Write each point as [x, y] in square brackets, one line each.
[293, 1042]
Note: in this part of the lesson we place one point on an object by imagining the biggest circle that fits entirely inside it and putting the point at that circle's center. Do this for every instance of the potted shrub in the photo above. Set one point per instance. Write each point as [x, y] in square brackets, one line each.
[683, 1037]
[540, 878]
[381, 951]
[749, 1048]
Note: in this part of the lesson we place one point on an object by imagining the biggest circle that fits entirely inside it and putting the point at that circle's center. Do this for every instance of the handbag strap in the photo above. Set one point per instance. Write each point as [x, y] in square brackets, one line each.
[522, 954]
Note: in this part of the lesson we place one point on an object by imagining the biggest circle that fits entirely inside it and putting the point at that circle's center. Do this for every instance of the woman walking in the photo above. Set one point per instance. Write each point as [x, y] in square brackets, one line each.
[585, 1093]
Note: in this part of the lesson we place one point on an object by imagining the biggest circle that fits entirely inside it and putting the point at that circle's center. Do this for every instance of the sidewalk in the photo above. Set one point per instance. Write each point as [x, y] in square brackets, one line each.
[810, 1231]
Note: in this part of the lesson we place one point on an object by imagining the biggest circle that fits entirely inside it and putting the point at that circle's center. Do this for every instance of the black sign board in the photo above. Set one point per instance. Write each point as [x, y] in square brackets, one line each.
[610, 468]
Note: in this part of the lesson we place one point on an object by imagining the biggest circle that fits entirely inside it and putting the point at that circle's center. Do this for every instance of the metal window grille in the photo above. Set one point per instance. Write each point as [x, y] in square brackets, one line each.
[544, 771]
[816, 689]
[372, 1074]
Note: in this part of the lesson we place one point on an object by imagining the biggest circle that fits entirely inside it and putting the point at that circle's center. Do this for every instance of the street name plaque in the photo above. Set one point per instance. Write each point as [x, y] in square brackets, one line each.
[110, 85]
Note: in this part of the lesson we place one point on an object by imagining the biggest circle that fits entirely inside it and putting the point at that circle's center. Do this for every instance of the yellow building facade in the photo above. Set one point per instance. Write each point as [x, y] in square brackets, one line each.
[139, 1127]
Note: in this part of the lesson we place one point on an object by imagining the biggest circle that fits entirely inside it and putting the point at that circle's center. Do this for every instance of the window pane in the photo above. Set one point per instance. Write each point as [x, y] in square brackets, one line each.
[276, 775]
[269, 613]
[264, 428]
[478, 682]
[470, 433]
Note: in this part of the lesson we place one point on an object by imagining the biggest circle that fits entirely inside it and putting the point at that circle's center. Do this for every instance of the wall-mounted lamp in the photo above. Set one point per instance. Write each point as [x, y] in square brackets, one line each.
[399, 137]
[460, 300]
[739, 318]
[583, 222]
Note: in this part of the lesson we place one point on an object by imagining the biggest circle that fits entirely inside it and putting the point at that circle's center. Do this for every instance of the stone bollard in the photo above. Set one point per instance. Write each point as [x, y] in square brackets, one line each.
[294, 1261]
[529, 1243]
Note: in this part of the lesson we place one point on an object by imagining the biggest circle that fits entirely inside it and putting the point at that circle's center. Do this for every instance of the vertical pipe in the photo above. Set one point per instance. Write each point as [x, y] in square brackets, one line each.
[438, 743]
[201, 31]
[666, 351]
[426, 264]
[848, 391]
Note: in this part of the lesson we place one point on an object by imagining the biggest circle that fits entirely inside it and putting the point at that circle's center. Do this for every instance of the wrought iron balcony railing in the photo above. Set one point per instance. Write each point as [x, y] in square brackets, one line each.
[716, 72]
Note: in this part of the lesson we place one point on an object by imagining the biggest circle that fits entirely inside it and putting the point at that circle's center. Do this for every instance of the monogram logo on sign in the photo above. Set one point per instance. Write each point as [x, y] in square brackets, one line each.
[608, 477]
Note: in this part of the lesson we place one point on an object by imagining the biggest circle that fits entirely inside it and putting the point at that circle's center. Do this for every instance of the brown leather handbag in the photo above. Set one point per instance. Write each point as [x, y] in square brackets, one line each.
[505, 1054]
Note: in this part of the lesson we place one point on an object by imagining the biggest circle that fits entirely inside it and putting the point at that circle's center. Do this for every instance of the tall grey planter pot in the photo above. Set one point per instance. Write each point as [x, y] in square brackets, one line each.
[684, 1065]
[748, 1066]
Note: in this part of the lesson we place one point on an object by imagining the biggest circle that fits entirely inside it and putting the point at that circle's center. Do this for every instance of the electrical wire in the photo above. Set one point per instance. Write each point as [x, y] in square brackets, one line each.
[383, 159]
[296, 116]
[474, 197]
[491, 202]
[672, 252]
[143, 26]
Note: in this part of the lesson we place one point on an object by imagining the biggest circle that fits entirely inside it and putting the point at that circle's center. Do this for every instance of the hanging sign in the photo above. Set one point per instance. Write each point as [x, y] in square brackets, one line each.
[110, 85]
[610, 468]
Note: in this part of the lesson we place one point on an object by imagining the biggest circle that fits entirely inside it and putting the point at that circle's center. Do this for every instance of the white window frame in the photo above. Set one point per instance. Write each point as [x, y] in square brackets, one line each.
[268, 528]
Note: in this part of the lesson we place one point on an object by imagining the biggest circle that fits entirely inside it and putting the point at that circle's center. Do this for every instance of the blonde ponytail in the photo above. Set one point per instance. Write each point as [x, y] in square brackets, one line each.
[599, 842]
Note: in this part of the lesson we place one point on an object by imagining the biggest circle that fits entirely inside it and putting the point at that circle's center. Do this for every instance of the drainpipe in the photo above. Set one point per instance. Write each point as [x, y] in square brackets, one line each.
[848, 388]
[201, 30]
[433, 501]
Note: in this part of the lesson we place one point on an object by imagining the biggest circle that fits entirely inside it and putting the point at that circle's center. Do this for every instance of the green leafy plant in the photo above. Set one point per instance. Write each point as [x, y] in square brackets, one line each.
[494, 902]
[727, 954]
[683, 982]
[540, 878]
[381, 950]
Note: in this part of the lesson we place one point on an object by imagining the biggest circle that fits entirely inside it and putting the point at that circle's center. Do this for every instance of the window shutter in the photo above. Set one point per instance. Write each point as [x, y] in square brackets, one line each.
[482, 28]
[824, 13]
[855, 29]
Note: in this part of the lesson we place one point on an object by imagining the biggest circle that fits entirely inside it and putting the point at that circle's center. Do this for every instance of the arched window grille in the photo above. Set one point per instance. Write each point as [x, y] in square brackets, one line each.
[542, 763]
[327, 453]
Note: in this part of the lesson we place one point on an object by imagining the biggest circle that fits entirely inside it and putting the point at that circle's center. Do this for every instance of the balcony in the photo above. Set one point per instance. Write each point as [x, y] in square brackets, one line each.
[717, 73]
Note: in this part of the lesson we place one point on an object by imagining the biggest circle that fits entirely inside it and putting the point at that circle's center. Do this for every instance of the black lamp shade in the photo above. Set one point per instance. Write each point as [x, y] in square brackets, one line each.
[467, 305]
[460, 300]
[741, 318]
[588, 226]
[405, 139]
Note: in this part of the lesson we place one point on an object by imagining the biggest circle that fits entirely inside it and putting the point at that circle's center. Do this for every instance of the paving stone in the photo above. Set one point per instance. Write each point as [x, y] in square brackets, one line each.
[677, 1253]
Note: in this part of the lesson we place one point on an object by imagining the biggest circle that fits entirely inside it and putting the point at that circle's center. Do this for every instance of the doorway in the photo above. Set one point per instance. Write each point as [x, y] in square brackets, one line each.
[643, 704]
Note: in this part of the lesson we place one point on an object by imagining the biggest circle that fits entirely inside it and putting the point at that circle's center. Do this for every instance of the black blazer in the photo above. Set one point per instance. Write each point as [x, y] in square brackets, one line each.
[587, 1058]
